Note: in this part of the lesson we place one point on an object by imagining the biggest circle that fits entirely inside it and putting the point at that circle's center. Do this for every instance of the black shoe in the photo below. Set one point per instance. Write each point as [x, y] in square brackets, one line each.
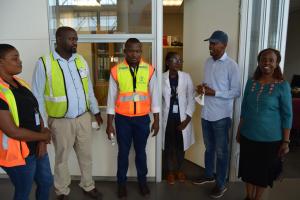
[122, 191]
[62, 197]
[217, 192]
[203, 180]
[144, 189]
[94, 194]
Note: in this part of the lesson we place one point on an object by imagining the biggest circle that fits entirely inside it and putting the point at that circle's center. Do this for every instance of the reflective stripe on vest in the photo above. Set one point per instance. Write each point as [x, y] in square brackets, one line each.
[130, 102]
[55, 94]
[12, 152]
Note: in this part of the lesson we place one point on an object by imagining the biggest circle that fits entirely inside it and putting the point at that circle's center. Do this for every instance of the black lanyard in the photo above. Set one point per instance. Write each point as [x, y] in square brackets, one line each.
[134, 74]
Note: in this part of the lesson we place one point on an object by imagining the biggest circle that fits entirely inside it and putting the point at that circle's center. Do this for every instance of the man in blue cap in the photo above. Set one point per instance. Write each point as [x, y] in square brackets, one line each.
[220, 86]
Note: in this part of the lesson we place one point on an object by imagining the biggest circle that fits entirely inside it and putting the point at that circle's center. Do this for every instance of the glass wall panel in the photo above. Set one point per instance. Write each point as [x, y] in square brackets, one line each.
[255, 36]
[101, 57]
[102, 16]
[274, 24]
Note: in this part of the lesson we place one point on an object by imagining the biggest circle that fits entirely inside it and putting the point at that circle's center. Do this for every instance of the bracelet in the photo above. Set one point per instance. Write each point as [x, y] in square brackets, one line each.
[286, 141]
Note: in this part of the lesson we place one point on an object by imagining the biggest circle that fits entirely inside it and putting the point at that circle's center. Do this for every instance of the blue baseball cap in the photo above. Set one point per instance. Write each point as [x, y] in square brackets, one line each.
[218, 36]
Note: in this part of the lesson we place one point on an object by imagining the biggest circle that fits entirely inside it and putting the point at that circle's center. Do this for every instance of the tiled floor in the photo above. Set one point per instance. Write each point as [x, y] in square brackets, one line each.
[288, 189]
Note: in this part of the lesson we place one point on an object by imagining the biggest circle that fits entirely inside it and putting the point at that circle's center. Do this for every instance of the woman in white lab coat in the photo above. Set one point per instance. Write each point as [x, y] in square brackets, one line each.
[178, 106]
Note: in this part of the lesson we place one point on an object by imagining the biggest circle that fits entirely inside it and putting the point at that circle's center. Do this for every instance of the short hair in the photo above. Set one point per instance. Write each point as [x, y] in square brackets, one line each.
[5, 48]
[277, 71]
[132, 41]
[62, 30]
[169, 55]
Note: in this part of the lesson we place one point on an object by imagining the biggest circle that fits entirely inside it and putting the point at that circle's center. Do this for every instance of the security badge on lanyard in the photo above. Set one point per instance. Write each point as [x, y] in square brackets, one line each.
[37, 117]
[174, 93]
[133, 72]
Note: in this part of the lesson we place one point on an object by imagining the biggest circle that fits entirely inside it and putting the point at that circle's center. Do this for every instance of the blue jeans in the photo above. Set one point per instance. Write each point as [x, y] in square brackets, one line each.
[130, 129]
[215, 135]
[22, 177]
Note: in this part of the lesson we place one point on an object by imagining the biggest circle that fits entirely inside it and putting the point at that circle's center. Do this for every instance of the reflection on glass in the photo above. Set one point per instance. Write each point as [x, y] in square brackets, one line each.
[254, 38]
[101, 57]
[102, 16]
[273, 33]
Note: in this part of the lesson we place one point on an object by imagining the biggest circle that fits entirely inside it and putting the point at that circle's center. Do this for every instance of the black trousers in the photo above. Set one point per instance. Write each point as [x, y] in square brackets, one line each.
[174, 152]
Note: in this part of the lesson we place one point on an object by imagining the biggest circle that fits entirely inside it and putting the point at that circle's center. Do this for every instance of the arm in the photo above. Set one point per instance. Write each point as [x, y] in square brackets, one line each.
[94, 107]
[38, 88]
[190, 104]
[286, 118]
[243, 110]
[155, 108]
[8, 127]
[234, 87]
[238, 134]
[41, 149]
[110, 110]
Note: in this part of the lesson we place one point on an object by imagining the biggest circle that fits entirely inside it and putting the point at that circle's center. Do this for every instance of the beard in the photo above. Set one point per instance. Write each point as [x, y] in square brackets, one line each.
[74, 50]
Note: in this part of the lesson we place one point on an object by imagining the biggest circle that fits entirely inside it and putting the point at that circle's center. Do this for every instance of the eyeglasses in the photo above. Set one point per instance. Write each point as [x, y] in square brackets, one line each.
[177, 61]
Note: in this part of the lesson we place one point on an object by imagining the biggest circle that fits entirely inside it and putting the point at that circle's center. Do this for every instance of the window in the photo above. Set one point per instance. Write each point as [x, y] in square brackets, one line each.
[102, 16]
[103, 26]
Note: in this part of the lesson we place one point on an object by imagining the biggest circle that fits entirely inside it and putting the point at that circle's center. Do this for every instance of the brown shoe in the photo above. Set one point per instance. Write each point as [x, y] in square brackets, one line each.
[181, 176]
[171, 178]
[94, 194]
[62, 197]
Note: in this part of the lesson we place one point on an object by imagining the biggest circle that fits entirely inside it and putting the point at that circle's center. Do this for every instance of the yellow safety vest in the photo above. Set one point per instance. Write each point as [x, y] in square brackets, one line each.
[130, 102]
[56, 100]
[12, 152]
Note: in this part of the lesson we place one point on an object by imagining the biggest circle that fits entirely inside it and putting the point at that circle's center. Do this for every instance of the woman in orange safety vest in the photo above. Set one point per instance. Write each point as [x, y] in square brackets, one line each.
[23, 139]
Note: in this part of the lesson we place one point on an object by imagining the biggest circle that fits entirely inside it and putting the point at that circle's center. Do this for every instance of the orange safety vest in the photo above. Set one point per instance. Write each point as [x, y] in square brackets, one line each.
[12, 152]
[132, 102]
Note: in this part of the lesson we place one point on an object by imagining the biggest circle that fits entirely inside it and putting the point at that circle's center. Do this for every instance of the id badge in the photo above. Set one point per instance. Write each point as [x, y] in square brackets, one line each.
[83, 73]
[175, 108]
[136, 97]
[37, 119]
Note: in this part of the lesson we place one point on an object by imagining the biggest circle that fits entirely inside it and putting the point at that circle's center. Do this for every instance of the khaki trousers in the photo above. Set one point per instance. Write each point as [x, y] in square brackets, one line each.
[68, 134]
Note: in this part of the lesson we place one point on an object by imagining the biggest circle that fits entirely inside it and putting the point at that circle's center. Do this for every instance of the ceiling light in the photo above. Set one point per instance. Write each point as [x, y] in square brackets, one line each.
[172, 2]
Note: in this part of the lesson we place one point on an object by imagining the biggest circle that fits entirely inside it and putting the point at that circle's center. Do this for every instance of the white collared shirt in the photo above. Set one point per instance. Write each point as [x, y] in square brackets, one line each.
[73, 84]
[113, 94]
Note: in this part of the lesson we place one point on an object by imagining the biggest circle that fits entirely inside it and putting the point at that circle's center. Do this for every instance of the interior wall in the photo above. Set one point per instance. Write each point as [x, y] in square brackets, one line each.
[292, 59]
[24, 24]
[173, 25]
[201, 18]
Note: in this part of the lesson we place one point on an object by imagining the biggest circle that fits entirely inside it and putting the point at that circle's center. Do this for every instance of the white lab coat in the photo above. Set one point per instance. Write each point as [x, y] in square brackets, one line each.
[186, 100]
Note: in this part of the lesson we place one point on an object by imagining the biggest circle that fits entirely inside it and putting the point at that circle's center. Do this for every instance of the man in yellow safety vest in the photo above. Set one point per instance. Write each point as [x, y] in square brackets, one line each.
[63, 88]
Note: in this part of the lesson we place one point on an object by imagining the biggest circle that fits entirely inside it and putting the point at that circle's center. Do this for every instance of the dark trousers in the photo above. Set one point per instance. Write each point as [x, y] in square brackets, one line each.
[130, 129]
[174, 153]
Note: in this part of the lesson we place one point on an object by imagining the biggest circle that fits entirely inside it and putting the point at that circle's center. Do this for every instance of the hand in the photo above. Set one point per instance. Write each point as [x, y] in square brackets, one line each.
[209, 91]
[183, 124]
[155, 127]
[238, 137]
[41, 149]
[200, 89]
[99, 119]
[47, 135]
[284, 149]
[110, 130]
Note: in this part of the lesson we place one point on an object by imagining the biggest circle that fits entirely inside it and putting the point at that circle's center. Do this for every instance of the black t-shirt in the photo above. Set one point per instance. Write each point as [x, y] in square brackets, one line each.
[27, 109]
